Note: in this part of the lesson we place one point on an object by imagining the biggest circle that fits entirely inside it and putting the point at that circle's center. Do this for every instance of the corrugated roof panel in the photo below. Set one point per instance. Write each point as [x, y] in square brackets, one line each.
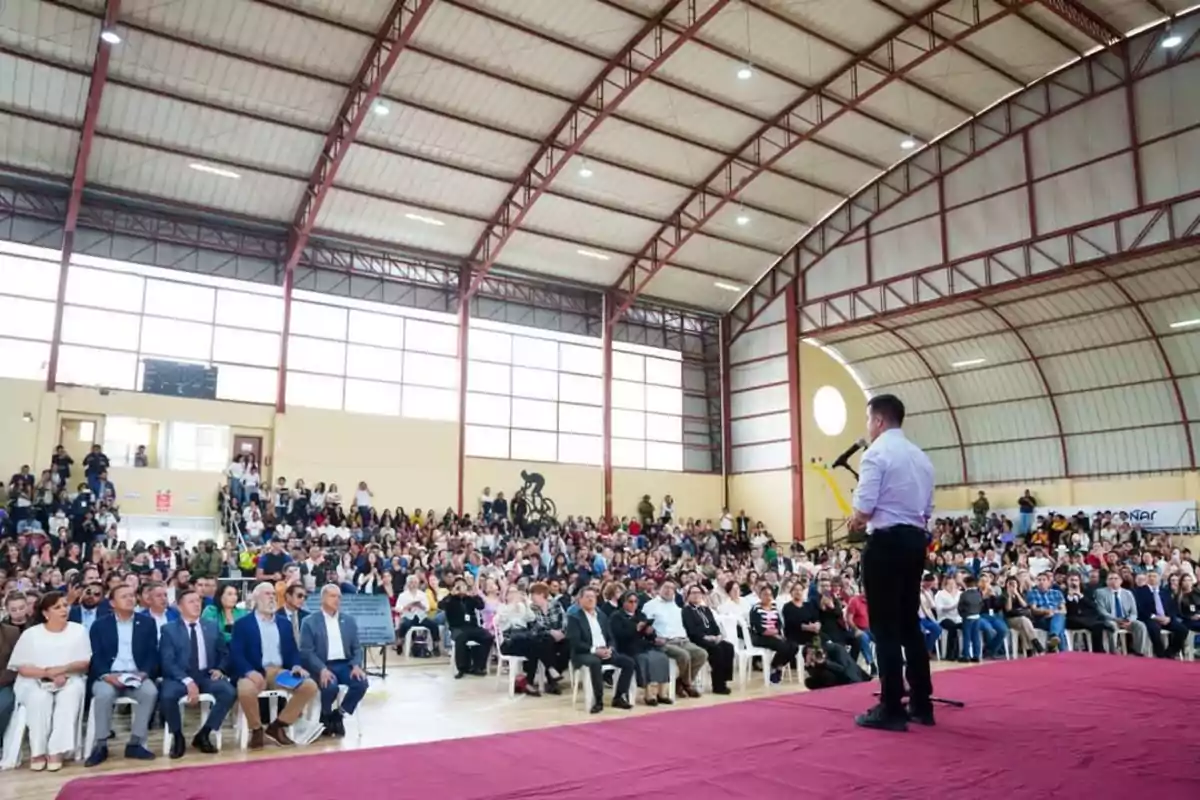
[420, 182]
[667, 108]
[1107, 328]
[855, 23]
[1004, 421]
[1189, 388]
[37, 145]
[790, 197]
[1020, 48]
[684, 286]
[533, 253]
[856, 349]
[958, 77]
[827, 167]
[922, 395]
[1103, 409]
[978, 322]
[1162, 282]
[457, 143]
[54, 32]
[1125, 15]
[586, 223]
[894, 369]
[1183, 350]
[439, 85]
[1044, 288]
[154, 62]
[1183, 312]
[366, 14]
[947, 467]
[1129, 363]
[385, 220]
[504, 50]
[715, 74]
[934, 429]
[614, 185]
[155, 173]
[1015, 461]
[724, 258]
[1145, 450]
[862, 135]
[992, 385]
[913, 110]
[1049, 20]
[661, 155]
[1052, 306]
[784, 49]
[257, 30]
[586, 23]
[206, 132]
[46, 91]
[996, 348]
[762, 230]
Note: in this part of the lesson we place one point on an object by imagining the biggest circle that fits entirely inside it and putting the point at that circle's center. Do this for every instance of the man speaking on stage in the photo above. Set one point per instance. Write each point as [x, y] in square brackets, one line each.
[894, 501]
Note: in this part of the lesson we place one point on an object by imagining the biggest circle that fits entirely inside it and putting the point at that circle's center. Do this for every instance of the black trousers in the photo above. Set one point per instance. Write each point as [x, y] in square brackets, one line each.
[468, 658]
[720, 662]
[593, 663]
[531, 648]
[1178, 637]
[953, 633]
[892, 562]
[785, 650]
[1095, 627]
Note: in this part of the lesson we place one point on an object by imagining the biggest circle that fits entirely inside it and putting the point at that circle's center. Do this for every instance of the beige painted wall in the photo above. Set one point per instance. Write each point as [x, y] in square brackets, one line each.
[1063, 494]
[695, 494]
[816, 371]
[575, 489]
[406, 462]
[765, 496]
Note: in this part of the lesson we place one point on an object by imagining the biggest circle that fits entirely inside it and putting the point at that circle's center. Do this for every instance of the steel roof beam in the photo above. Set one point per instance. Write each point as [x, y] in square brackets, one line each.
[91, 112]
[950, 152]
[1084, 20]
[811, 113]
[397, 29]
[653, 45]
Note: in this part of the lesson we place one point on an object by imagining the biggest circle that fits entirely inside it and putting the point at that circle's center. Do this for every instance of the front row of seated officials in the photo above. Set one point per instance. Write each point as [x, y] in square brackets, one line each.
[155, 661]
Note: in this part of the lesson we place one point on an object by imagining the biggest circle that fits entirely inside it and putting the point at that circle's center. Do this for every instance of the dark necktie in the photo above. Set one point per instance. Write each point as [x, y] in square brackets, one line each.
[194, 651]
[1117, 604]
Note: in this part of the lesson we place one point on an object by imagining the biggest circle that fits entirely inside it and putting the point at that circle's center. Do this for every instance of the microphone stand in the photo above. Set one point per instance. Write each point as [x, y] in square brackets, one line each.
[945, 701]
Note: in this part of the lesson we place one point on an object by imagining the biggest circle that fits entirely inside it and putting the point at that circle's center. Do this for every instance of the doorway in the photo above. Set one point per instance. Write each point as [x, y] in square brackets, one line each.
[248, 445]
[77, 433]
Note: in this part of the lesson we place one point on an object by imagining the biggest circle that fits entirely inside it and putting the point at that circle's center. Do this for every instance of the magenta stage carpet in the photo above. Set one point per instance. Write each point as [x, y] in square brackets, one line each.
[1072, 725]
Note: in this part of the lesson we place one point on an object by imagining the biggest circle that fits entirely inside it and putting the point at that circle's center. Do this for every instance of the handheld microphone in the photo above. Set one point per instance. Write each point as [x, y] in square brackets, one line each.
[844, 459]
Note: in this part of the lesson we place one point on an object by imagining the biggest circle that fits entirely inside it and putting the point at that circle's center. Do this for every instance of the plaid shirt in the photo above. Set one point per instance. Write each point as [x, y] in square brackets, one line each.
[1051, 599]
[553, 618]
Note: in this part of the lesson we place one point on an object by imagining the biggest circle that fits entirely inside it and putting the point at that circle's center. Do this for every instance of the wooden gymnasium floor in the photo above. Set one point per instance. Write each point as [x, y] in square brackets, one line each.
[418, 702]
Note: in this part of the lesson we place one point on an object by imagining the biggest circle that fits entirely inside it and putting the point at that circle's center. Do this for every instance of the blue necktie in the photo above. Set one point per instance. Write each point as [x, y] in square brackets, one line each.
[1117, 603]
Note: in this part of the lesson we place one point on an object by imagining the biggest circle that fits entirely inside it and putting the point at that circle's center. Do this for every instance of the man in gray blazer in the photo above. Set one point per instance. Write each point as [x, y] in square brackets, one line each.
[330, 651]
[1119, 610]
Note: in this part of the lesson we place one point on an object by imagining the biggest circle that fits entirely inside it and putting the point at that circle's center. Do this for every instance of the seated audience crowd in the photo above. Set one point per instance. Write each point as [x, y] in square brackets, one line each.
[670, 605]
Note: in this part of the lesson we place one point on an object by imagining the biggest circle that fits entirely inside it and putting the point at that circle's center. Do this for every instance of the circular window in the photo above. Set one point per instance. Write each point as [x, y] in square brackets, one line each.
[829, 410]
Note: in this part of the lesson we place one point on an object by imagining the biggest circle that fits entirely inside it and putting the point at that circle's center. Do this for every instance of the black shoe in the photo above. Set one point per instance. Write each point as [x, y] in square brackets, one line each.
[98, 755]
[621, 702]
[177, 746]
[722, 690]
[975, 660]
[1038, 647]
[459, 674]
[652, 701]
[921, 716]
[597, 708]
[880, 719]
[480, 672]
[666, 701]
[139, 752]
[552, 687]
[202, 741]
[874, 671]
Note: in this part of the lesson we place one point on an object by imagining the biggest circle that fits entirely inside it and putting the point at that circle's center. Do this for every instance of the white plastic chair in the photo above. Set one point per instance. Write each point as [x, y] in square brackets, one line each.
[514, 663]
[242, 727]
[745, 653]
[583, 676]
[1012, 645]
[205, 704]
[14, 735]
[313, 712]
[411, 635]
[1079, 634]
[450, 652]
[88, 742]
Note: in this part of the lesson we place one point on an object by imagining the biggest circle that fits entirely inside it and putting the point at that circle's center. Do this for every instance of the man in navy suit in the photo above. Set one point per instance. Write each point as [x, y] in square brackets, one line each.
[91, 606]
[124, 664]
[262, 649]
[329, 649]
[1159, 611]
[193, 654]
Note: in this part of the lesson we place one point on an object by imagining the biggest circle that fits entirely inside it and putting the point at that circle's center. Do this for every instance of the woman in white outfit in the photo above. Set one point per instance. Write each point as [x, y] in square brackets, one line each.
[51, 661]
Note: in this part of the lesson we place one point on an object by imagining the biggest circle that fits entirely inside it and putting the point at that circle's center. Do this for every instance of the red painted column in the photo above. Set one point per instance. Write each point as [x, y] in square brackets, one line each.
[792, 332]
[726, 412]
[464, 330]
[281, 382]
[606, 343]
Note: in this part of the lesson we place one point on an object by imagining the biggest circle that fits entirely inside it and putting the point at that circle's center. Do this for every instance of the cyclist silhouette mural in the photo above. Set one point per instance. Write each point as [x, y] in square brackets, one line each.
[529, 505]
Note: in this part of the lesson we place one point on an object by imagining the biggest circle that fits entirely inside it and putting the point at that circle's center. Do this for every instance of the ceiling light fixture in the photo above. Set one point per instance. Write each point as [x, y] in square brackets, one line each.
[112, 37]
[745, 73]
[381, 109]
[211, 170]
[970, 362]
[426, 220]
[908, 144]
[743, 219]
[729, 287]
[593, 254]
[1187, 323]
[585, 171]
[1172, 41]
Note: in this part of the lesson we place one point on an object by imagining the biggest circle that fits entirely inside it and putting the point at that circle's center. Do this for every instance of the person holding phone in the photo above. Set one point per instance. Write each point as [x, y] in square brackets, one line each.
[472, 643]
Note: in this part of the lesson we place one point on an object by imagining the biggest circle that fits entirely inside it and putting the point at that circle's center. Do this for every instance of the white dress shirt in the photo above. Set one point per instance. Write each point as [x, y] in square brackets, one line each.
[333, 630]
[667, 618]
[598, 639]
[896, 483]
[407, 598]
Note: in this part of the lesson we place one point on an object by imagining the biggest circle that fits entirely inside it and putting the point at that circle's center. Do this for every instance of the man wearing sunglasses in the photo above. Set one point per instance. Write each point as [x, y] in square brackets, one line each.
[92, 605]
